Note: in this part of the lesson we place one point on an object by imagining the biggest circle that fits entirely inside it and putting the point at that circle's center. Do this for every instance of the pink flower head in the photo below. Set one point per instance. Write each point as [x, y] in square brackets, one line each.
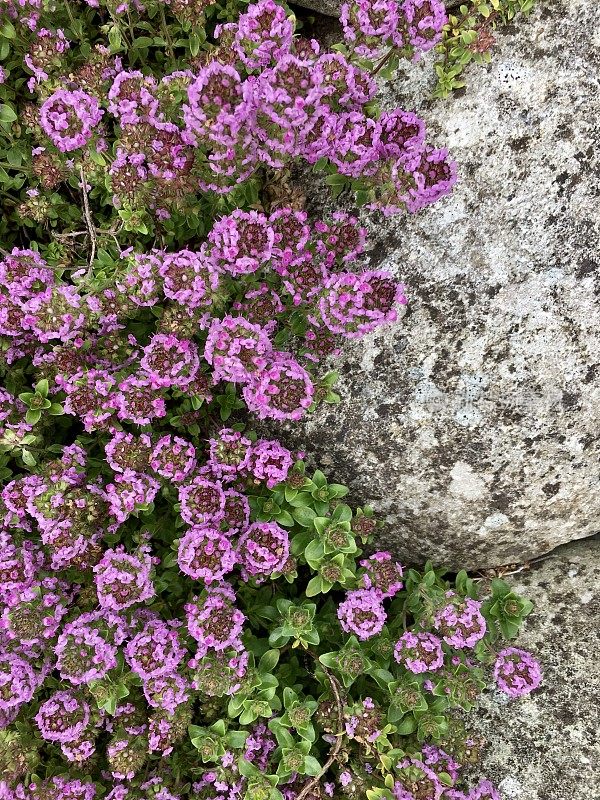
[201, 501]
[166, 692]
[419, 652]
[291, 234]
[18, 681]
[241, 243]
[382, 574]
[189, 278]
[19, 564]
[402, 136]
[169, 361]
[233, 347]
[484, 791]
[91, 396]
[236, 515]
[139, 401]
[130, 492]
[205, 554]
[270, 462]
[229, 452]
[213, 98]
[86, 649]
[126, 451]
[156, 650]
[460, 623]
[362, 613]
[70, 118]
[54, 313]
[63, 717]
[263, 548]
[62, 789]
[214, 621]
[173, 458]
[432, 178]
[341, 240]
[261, 307]
[426, 19]
[371, 26]
[281, 390]
[355, 304]
[122, 579]
[516, 672]
[440, 761]
[420, 781]
[132, 97]
[264, 34]
[141, 282]
[33, 614]
[23, 272]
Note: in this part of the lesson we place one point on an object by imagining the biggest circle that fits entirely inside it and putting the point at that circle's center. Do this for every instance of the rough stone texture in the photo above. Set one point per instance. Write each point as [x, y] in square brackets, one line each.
[546, 746]
[330, 8]
[472, 426]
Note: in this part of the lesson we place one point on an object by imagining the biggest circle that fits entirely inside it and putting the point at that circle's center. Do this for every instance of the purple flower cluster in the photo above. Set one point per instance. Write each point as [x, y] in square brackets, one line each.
[214, 621]
[123, 580]
[414, 26]
[382, 574]
[263, 548]
[110, 377]
[356, 304]
[517, 672]
[155, 651]
[460, 623]
[263, 97]
[362, 613]
[419, 652]
[63, 717]
[419, 781]
[70, 119]
[204, 553]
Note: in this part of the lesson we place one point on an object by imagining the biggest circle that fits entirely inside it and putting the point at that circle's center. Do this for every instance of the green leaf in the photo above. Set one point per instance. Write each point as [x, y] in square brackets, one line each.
[311, 766]
[268, 661]
[32, 416]
[8, 30]
[236, 739]
[7, 113]
[304, 516]
[141, 41]
[114, 38]
[329, 660]
[28, 458]
[407, 726]
[314, 586]
[315, 551]
[219, 727]
[42, 387]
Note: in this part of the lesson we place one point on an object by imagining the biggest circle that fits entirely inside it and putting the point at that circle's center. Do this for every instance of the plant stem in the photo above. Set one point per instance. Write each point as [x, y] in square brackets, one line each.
[165, 28]
[337, 746]
[383, 61]
[70, 15]
[6, 165]
[88, 220]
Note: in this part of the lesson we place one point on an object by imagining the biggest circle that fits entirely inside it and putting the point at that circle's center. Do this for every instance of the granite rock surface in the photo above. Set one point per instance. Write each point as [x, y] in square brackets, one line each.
[472, 425]
[546, 746]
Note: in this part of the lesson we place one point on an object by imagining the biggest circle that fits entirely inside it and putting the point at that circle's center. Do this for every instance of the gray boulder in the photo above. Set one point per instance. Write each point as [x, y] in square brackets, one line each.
[329, 8]
[545, 746]
[472, 426]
